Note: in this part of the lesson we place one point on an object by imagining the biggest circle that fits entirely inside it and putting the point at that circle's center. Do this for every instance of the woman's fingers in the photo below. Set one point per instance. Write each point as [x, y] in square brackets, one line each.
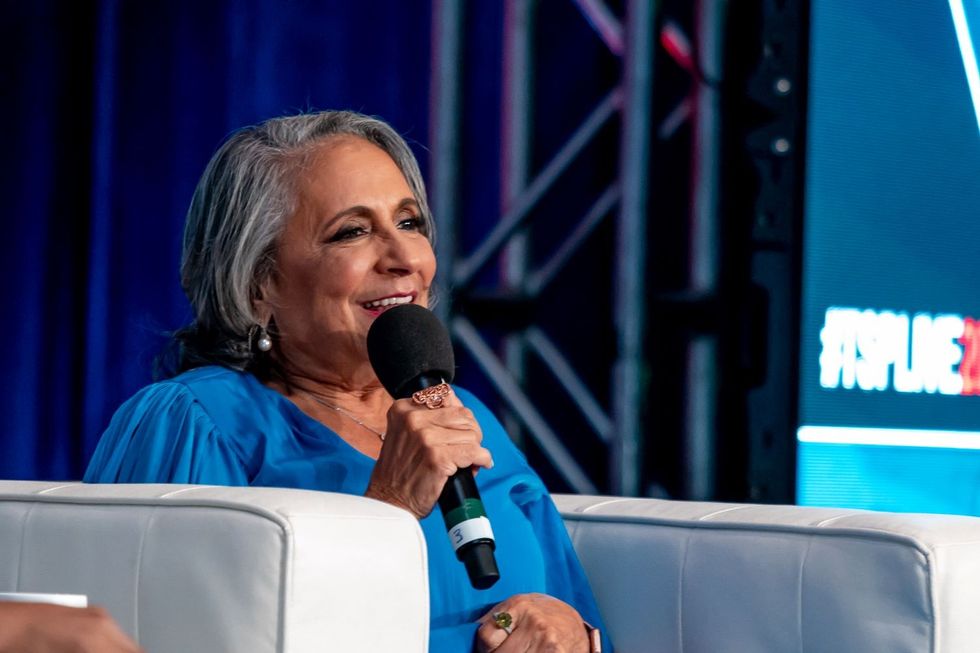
[441, 427]
[478, 457]
[489, 637]
[415, 415]
[423, 448]
[43, 627]
[538, 623]
[450, 429]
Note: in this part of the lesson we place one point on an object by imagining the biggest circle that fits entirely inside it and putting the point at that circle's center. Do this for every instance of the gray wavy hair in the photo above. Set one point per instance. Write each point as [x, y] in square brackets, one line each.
[238, 211]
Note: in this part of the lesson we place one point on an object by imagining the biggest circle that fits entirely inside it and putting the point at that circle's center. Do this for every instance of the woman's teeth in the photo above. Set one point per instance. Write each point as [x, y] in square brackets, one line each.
[388, 301]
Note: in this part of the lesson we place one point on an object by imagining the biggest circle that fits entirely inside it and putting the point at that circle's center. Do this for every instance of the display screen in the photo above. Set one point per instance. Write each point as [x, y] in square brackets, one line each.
[890, 369]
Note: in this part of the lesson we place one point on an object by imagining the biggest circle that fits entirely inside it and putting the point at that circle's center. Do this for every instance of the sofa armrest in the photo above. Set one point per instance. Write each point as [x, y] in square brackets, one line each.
[674, 576]
[191, 568]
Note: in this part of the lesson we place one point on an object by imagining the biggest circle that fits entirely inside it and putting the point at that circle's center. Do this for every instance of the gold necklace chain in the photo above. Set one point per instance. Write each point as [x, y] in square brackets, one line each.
[343, 412]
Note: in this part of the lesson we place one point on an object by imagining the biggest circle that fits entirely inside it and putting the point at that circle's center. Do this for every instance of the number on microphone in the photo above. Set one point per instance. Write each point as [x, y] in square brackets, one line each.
[458, 535]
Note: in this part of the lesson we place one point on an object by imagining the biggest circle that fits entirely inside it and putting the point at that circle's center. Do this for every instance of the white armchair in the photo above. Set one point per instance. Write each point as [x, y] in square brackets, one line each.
[259, 569]
[691, 577]
[188, 569]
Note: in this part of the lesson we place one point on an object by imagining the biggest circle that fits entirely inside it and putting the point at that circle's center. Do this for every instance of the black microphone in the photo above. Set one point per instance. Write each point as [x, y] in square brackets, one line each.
[410, 350]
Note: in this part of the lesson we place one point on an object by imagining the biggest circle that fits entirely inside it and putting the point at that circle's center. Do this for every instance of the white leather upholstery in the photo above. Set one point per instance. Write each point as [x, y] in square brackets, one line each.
[674, 577]
[213, 569]
[187, 569]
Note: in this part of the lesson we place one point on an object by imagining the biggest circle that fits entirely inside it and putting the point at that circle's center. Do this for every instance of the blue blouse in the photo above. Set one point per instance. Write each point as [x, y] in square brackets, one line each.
[215, 426]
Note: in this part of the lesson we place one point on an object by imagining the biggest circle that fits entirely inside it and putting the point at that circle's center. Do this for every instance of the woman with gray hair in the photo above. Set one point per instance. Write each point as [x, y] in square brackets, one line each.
[301, 232]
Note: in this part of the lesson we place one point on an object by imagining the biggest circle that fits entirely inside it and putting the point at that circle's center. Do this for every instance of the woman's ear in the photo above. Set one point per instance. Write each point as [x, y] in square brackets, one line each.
[263, 302]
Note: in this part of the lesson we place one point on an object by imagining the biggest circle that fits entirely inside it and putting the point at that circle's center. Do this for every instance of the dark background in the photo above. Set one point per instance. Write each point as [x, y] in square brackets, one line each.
[113, 107]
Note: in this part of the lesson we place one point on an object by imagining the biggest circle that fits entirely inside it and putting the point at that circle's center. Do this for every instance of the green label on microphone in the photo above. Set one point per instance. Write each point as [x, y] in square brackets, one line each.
[471, 509]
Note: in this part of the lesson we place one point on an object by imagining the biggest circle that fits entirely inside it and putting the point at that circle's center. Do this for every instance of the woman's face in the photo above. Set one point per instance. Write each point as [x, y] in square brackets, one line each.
[354, 247]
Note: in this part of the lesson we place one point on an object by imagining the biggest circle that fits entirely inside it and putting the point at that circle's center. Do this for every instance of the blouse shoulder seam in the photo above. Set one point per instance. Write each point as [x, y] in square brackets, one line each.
[188, 391]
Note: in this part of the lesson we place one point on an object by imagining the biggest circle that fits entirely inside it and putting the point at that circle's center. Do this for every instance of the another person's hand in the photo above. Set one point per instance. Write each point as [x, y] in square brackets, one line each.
[423, 447]
[538, 623]
[44, 628]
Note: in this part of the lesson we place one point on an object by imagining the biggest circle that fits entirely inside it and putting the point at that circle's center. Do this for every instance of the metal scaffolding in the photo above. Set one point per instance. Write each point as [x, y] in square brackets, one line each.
[618, 427]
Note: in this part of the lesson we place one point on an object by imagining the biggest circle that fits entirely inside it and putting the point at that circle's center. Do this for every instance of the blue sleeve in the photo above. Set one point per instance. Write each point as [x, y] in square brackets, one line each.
[565, 579]
[164, 435]
[458, 638]
[563, 576]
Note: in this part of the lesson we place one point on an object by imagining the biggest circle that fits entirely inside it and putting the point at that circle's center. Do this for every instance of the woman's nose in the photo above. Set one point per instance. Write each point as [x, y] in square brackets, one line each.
[401, 254]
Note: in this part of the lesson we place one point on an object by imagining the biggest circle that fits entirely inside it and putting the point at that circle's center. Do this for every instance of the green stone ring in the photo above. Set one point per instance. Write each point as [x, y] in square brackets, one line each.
[503, 620]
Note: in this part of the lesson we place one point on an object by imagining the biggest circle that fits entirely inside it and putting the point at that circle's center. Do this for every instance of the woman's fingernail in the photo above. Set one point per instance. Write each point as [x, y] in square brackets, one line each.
[496, 638]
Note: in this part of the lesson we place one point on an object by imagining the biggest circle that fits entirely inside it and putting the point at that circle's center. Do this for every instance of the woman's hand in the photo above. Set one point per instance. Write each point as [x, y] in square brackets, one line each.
[44, 628]
[539, 623]
[423, 447]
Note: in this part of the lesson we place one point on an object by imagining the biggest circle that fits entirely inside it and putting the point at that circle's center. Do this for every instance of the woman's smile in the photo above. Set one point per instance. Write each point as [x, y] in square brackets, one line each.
[378, 306]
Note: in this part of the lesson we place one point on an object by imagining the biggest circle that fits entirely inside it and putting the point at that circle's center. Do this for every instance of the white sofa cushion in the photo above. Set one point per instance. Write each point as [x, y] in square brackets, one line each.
[215, 569]
[674, 576]
[258, 569]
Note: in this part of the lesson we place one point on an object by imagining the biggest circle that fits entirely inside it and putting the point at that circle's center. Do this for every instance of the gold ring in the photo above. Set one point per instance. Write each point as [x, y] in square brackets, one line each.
[504, 621]
[432, 397]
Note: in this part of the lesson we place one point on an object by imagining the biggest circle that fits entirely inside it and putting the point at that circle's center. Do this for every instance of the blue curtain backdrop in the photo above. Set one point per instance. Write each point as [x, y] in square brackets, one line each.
[111, 111]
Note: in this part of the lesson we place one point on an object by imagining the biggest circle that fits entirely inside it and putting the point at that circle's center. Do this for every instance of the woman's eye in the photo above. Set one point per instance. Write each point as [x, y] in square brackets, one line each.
[412, 223]
[347, 233]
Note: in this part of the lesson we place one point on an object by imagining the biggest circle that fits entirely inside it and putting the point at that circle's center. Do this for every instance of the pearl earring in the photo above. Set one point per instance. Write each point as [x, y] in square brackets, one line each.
[264, 343]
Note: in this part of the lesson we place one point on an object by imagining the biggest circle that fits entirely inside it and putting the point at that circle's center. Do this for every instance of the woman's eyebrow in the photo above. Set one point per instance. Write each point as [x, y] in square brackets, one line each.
[358, 209]
[319, 230]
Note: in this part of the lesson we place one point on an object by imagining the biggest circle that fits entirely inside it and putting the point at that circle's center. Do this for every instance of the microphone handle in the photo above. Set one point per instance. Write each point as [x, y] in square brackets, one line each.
[469, 529]
[463, 513]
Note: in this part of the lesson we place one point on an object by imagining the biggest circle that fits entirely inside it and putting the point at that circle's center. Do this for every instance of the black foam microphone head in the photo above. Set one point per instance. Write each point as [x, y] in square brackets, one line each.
[406, 342]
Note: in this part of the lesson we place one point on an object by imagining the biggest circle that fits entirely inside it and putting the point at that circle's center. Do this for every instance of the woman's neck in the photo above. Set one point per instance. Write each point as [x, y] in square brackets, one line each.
[357, 412]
